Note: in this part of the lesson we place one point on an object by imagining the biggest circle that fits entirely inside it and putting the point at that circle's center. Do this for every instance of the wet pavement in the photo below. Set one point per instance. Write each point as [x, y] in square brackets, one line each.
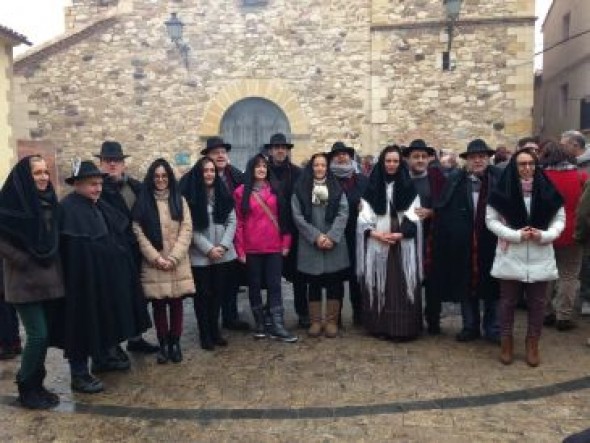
[353, 388]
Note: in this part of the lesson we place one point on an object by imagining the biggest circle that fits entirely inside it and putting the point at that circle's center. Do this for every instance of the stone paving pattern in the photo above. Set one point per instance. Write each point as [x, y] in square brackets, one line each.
[363, 389]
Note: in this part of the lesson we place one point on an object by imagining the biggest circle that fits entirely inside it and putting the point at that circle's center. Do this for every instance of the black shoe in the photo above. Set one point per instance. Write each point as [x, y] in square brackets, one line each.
[261, 327]
[109, 364]
[162, 356]
[549, 320]
[120, 354]
[467, 335]
[220, 341]
[357, 318]
[236, 325]
[433, 329]
[142, 346]
[174, 351]
[86, 384]
[304, 322]
[207, 345]
[565, 325]
[30, 398]
[279, 332]
[52, 398]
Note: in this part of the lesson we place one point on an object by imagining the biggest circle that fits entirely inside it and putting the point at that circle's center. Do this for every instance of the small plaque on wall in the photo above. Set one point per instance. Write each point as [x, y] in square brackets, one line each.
[182, 158]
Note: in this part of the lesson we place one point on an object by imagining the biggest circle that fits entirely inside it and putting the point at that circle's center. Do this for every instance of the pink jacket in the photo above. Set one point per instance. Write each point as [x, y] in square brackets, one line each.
[256, 233]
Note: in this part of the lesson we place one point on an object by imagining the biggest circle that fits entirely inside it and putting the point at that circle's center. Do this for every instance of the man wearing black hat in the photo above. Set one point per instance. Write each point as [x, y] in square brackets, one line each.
[287, 174]
[216, 149]
[104, 303]
[429, 181]
[121, 191]
[464, 248]
[353, 184]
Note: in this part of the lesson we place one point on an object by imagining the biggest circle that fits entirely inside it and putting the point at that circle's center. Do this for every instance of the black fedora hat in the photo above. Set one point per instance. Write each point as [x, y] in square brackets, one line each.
[111, 149]
[82, 170]
[341, 147]
[278, 140]
[215, 142]
[477, 146]
[418, 145]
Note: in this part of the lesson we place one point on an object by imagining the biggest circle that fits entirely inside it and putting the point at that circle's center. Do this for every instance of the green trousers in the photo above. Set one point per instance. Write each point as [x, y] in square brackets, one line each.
[34, 319]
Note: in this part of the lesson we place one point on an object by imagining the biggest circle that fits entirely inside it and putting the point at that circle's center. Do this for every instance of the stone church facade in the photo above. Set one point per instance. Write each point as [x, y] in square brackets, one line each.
[367, 72]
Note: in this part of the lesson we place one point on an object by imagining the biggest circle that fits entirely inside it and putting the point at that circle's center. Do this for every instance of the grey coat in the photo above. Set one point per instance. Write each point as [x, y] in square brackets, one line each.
[214, 235]
[310, 259]
[25, 281]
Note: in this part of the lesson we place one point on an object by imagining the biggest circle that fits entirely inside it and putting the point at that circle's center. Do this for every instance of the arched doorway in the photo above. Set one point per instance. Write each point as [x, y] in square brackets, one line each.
[248, 124]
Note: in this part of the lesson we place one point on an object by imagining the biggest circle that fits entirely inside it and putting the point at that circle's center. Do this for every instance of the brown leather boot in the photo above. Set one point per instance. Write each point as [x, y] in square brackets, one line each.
[506, 349]
[532, 351]
[332, 316]
[315, 316]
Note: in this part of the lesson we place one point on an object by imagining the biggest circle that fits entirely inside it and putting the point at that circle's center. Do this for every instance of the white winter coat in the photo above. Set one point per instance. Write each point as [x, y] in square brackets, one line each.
[526, 261]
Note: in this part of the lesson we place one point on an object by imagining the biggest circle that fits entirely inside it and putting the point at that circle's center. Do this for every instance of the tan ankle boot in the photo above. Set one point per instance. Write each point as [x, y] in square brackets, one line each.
[506, 350]
[315, 316]
[332, 316]
[532, 351]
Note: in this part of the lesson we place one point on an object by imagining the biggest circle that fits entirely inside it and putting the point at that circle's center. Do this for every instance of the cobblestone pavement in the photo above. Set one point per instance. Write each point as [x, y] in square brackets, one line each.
[354, 388]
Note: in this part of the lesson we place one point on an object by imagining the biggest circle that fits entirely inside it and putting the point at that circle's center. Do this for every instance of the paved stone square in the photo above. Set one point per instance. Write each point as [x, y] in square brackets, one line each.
[354, 388]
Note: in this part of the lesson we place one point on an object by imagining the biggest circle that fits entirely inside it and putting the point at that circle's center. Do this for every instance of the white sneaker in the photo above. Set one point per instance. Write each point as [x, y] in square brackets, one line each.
[585, 308]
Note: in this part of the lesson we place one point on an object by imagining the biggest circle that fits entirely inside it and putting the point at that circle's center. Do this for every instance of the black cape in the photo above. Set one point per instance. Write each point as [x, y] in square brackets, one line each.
[104, 303]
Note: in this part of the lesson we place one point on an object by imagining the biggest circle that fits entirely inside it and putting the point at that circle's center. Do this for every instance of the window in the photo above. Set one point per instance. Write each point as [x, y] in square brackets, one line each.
[564, 92]
[446, 61]
[254, 2]
[565, 27]
[585, 114]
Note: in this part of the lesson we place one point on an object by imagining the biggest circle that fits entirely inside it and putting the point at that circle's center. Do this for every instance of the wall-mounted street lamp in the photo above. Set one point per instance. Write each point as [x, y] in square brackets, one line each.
[453, 8]
[174, 28]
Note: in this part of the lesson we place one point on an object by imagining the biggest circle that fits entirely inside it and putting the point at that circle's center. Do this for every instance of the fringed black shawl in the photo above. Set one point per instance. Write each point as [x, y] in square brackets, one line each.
[193, 188]
[506, 198]
[21, 213]
[145, 210]
[304, 187]
[404, 189]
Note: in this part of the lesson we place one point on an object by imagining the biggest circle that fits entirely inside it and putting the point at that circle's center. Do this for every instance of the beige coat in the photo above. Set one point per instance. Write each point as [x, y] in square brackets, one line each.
[177, 237]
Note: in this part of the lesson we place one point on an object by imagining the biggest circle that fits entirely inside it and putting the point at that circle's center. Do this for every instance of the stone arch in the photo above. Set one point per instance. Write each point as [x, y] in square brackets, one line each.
[272, 90]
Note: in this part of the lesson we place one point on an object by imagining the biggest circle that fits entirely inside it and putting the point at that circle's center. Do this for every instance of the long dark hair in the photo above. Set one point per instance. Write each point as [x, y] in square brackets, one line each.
[553, 154]
[506, 197]
[145, 210]
[274, 187]
[404, 189]
[304, 187]
[21, 212]
[195, 191]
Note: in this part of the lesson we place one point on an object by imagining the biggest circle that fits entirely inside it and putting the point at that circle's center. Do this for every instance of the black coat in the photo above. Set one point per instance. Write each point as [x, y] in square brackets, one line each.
[354, 188]
[285, 178]
[453, 271]
[104, 302]
[111, 194]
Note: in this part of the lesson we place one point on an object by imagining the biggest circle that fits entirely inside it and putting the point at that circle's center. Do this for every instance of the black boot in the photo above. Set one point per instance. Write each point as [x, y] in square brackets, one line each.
[162, 355]
[278, 331]
[174, 351]
[259, 318]
[30, 397]
[51, 397]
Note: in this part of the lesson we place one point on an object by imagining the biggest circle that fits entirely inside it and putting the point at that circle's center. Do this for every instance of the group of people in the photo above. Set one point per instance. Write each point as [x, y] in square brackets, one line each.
[80, 272]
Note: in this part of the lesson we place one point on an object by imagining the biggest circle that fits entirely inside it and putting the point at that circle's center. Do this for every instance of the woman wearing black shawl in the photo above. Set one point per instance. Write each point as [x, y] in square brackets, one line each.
[163, 227]
[389, 250]
[526, 212]
[32, 272]
[212, 252]
[320, 213]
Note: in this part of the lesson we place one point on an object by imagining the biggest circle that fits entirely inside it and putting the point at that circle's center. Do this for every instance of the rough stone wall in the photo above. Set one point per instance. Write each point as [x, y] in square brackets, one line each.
[7, 147]
[342, 75]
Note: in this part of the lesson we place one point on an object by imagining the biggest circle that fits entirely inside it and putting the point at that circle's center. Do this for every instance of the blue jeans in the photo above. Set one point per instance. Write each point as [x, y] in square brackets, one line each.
[269, 268]
[470, 312]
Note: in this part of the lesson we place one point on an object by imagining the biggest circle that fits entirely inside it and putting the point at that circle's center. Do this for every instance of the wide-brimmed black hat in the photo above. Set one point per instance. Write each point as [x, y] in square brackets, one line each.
[418, 145]
[82, 170]
[111, 149]
[477, 146]
[341, 147]
[278, 140]
[215, 142]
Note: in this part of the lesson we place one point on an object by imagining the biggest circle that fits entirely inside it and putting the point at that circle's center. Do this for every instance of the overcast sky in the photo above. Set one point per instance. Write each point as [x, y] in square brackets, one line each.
[41, 20]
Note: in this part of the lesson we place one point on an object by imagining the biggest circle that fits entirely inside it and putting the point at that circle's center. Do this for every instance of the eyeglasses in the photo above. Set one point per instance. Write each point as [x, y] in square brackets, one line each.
[161, 177]
[525, 164]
